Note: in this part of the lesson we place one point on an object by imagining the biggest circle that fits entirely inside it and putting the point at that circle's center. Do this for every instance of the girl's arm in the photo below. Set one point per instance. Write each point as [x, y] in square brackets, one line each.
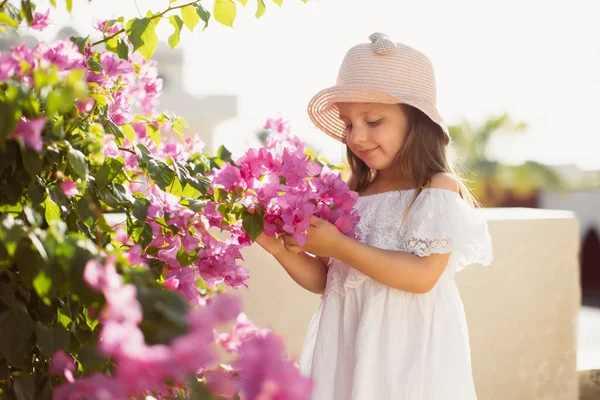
[308, 272]
[397, 269]
[401, 270]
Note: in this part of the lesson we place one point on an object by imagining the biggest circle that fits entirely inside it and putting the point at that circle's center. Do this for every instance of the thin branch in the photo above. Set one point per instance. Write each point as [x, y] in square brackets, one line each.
[129, 150]
[159, 15]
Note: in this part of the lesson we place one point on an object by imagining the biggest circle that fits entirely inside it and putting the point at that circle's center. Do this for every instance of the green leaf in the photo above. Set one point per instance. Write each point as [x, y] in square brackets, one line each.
[154, 18]
[5, 19]
[23, 385]
[143, 155]
[32, 161]
[63, 318]
[7, 295]
[177, 24]
[90, 358]
[89, 321]
[278, 2]
[27, 11]
[109, 171]
[10, 232]
[224, 154]
[94, 64]
[81, 42]
[204, 14]
[42, 284]
[36, 192]
[199, 390]
[129, 132]
[78, 164]
[177, 128]
[160, 173]
[243, 2]
[14, 341]
[46, 393]
[201, 183]
[33, 218]
[220, 195]
[153, 133]
[142, 234]
[52, 210]
[190, 16]
[69, 5]
[38, 246]
[122, 50]
[113, 128]
[176, 188]
[51, 339]
[142, 35]
[140, 208]
[261, 8]
[225, 12]
[9, 115]
[190, 192]
[253, 224]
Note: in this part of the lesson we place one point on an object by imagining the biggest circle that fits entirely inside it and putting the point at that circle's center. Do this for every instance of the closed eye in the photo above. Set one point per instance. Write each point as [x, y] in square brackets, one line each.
[375, 123]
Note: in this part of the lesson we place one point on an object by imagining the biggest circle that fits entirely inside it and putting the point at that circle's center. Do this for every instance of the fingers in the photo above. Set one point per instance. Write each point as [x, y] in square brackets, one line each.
[289, 240]
[316, 221]
[293, 249]
[291, 244]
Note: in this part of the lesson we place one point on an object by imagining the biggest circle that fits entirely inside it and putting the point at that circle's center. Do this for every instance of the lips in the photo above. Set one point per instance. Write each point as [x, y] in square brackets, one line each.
[365, 153]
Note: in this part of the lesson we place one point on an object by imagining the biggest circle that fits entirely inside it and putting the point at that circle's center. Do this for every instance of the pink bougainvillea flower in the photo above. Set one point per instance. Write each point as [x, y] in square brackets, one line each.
[97, 386]
[102, 277]
[30, 132]
[63, 53]
[87, 105]
[8, 66]
[40, 21]
[69, 188]
[62, 364]
[267, 374]
[100, 25]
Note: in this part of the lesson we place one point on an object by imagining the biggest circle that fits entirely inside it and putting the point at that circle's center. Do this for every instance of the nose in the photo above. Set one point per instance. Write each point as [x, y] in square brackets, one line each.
[357, 135]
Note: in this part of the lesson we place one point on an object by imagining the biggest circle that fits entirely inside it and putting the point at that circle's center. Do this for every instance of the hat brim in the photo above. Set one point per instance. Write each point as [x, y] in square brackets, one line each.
[325, 115]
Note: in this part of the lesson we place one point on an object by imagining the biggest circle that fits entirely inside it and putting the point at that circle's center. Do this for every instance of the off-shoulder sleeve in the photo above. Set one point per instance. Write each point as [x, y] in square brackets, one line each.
[442, 222]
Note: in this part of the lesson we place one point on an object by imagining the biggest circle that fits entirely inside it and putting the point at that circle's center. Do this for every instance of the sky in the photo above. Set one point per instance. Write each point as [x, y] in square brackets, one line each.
[537, 60]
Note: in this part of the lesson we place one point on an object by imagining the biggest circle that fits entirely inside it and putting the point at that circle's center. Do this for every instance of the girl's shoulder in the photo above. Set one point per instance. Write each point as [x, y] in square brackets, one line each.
[444, 180]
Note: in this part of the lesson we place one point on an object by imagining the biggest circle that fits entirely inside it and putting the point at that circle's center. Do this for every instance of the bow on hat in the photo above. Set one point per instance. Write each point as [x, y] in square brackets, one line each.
[382, 43]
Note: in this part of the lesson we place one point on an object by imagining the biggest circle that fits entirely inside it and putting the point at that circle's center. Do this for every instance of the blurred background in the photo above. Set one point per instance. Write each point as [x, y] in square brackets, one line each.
[518, 84]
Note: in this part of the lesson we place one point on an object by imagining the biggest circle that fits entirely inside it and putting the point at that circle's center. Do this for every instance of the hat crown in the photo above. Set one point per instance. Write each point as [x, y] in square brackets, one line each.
[399, 72]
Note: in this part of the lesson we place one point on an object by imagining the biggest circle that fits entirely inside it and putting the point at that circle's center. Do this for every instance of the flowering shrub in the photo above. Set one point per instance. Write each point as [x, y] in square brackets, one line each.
[135, 308]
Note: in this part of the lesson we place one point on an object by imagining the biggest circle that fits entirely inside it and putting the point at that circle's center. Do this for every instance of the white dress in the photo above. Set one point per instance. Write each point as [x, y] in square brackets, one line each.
[368, 341]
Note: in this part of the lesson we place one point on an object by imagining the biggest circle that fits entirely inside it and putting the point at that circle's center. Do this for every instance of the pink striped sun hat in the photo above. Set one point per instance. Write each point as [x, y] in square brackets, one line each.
[378, 72]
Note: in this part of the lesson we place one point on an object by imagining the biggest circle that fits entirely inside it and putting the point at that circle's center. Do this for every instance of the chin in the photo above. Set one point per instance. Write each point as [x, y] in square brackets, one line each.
[377, 164]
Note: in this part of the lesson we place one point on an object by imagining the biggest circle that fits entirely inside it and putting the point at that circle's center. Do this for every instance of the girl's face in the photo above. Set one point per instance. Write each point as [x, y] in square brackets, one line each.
[374, 132]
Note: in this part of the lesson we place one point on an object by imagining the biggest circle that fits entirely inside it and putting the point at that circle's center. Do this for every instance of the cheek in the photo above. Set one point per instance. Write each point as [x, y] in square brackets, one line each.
[389, 141]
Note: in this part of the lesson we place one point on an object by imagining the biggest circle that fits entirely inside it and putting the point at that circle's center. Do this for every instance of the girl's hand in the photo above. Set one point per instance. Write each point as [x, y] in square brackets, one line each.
[322, 237]
[272, 245]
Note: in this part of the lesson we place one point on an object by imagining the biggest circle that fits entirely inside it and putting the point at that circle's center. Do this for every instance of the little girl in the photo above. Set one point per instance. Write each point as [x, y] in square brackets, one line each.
[391, 324]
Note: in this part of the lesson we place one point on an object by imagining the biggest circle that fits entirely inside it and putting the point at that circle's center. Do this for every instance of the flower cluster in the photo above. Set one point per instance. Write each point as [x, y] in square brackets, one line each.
[282, 179]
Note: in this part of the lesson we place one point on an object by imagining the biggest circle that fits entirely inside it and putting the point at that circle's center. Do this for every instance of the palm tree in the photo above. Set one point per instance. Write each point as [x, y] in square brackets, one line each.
[492, 181]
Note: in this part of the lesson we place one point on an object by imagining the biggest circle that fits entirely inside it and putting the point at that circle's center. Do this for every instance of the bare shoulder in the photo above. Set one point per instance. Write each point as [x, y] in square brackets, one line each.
[444, 180]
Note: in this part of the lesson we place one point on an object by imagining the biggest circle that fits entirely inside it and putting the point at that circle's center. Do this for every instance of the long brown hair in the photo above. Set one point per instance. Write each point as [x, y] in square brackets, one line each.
[423, 154]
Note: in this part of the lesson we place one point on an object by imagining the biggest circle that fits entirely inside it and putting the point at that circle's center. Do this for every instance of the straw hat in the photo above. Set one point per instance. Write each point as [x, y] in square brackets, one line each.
[378, 72]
